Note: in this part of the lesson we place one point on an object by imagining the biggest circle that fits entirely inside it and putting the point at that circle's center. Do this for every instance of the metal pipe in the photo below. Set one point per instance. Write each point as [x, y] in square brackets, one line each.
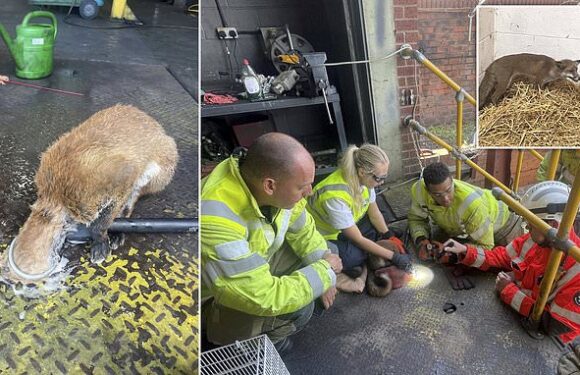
[289, 36]
[130, 225]
[459, 98]
[455, 153]
[568, 218]
[533, 220]
[518, 170]
[553, 166]
[429, 65]
[536, 154]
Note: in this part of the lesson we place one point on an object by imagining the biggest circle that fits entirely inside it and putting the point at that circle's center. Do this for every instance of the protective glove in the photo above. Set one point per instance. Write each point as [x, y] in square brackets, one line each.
[402, 261]
[426, 250]
[398, 243]
[442, 256]
[458, 280]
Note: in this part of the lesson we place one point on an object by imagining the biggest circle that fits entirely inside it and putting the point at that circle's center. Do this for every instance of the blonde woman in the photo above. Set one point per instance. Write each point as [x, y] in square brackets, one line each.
[346, 213]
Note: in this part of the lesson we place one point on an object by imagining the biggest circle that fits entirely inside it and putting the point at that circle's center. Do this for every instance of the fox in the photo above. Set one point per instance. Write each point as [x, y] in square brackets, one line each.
[535, 69]
[382, 276]
[91, 175]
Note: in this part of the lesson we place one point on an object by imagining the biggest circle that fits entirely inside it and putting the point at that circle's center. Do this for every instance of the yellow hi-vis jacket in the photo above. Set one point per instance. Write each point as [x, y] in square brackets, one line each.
[334, 187]
[474, 212]
[568, 166]
[237, 241]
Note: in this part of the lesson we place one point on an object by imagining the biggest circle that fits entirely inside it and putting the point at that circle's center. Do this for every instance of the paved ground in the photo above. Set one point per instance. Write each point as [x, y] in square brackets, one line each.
[408, 332]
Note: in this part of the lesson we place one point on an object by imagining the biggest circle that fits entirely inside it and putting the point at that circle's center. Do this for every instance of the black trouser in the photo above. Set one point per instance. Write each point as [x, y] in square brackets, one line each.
[350, 254]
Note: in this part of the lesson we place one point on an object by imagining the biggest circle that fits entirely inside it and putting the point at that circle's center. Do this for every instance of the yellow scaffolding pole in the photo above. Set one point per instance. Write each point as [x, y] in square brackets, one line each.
[536, 154]
[406, 53]
[553, 167]
[459, 98]
[456, 154]
[559, 238]
[444, 77]
[518, 170]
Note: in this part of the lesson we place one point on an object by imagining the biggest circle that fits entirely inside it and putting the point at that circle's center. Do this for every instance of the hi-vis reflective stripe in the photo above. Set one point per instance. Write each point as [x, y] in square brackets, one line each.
[314, 280]
[217, 208]
[568, 314]
[480, 258]
[419, 194]
[467, 202]
[499, 219]
[570, 274]
[340, 187]
[480, 232]
[314, 256]
[516, 302]
[299, 223]
[281, 232]
[232, 250]
[230, 268]
[525, 248]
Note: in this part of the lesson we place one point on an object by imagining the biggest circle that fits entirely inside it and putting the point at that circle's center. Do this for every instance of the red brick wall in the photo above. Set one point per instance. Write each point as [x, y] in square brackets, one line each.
[439, 29]
[527, 175]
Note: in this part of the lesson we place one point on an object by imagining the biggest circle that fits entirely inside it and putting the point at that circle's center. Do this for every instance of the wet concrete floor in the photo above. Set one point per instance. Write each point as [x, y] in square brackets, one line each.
[136, 312]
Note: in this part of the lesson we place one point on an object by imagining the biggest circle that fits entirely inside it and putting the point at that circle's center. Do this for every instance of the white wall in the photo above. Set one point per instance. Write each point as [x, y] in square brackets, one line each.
[547, 30]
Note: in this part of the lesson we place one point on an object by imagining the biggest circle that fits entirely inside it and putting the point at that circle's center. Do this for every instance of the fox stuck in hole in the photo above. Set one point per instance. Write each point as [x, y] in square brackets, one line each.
[91, 175]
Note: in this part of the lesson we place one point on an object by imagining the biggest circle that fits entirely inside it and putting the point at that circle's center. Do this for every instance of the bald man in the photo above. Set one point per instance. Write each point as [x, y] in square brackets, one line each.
[263, 262]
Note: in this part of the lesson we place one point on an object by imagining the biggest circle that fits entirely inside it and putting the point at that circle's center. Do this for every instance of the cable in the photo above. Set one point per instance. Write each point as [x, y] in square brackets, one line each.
[221, 13]
[235, 55]
[361, 61]
[193, 9]
[125, 26]
[397, 185]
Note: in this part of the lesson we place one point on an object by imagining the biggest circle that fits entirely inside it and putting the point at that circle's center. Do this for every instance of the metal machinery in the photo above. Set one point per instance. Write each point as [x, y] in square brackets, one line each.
[288, 52]
[88, 9]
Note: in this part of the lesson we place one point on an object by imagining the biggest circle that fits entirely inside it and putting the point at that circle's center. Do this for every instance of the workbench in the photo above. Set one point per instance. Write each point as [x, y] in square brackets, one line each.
[245, 106]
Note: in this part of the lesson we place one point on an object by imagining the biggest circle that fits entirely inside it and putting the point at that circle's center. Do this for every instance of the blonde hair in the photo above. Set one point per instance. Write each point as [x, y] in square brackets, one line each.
[366, 157]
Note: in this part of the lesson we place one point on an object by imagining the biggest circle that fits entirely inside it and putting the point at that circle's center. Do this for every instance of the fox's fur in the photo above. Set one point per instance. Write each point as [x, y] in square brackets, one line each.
[379, 284]
[91, 175]
[535, 69]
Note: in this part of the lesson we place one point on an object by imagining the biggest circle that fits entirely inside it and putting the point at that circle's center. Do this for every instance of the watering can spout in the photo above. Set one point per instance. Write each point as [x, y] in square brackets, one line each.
[10, 45]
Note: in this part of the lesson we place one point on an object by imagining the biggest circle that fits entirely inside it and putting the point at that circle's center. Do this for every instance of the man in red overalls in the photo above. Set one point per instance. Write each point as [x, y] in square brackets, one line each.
[526, 258]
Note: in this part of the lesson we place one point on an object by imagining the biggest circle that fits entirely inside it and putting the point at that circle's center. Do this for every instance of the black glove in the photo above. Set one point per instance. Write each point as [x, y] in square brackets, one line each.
[402, 261]
[458, 281]
[385, 236]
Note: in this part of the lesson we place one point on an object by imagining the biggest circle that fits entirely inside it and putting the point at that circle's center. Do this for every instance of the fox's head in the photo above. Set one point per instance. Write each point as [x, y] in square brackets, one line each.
[569, 69]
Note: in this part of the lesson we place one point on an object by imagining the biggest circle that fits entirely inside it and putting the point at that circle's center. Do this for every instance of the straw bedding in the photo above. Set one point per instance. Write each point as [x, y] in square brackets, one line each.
[530, 117]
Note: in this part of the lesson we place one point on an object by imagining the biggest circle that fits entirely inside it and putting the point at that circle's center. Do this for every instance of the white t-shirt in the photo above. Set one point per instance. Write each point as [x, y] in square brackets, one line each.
[340, 215]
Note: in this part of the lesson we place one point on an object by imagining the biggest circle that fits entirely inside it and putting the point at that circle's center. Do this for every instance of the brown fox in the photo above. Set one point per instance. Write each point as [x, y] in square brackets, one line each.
[91, 175]
[382, 276]
[536, 69]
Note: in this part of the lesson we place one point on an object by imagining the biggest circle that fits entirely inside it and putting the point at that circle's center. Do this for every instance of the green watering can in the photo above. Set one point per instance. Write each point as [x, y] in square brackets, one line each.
[33, 46]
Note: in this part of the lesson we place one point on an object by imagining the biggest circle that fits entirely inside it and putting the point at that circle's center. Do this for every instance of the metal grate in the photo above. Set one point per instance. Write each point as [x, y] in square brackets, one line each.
[255, 356]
